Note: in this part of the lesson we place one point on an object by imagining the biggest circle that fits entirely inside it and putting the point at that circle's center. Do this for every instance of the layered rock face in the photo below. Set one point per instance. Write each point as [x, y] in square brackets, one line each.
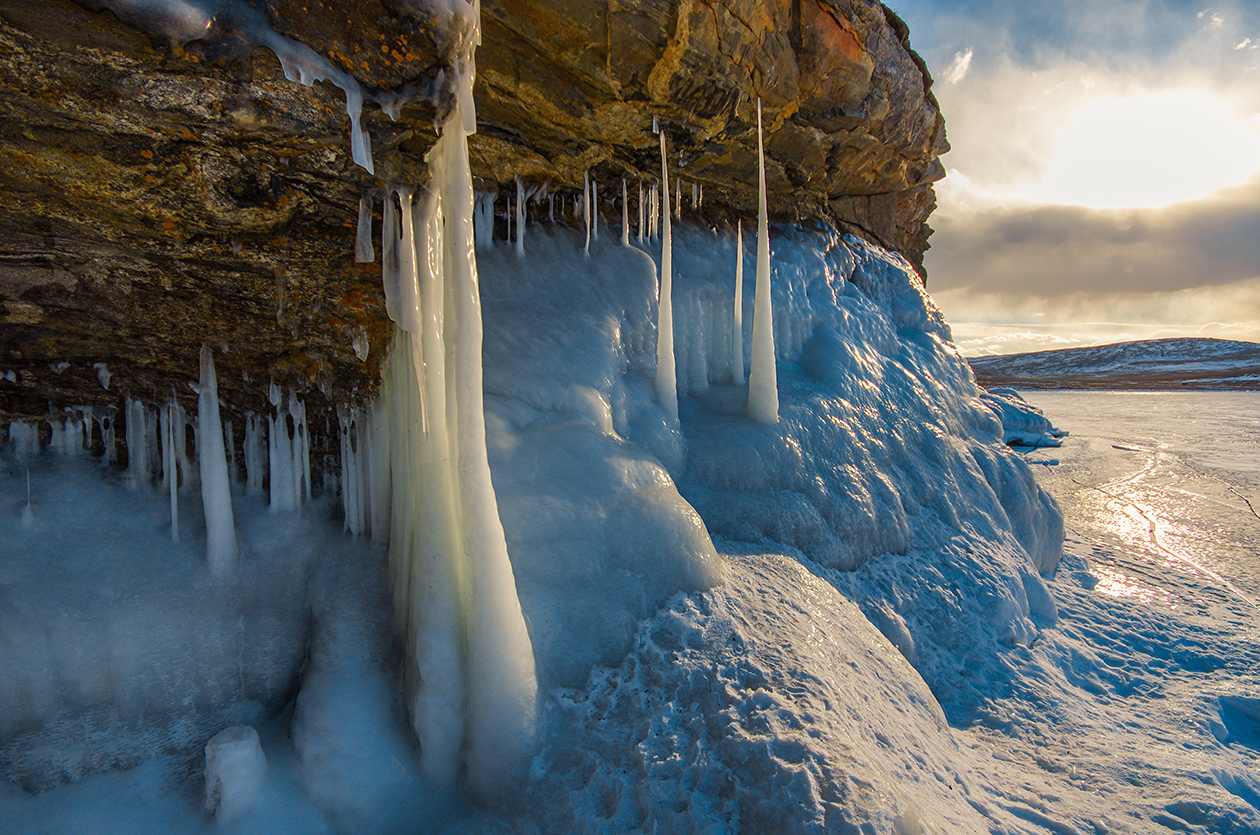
[164, 194]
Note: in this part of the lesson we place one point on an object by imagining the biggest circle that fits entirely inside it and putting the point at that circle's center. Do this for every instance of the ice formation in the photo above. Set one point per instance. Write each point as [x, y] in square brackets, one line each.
[737, 317]
[363, 251]
[222, 551]
[763, 387]
[870, 517]
[469, 664]
[235, 769]
[625, 216]
[666, 382]
[520, 217]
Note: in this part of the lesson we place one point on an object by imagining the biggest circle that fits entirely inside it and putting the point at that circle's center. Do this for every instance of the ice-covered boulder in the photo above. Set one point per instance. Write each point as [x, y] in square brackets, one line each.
[235, 770]
[1023, 424]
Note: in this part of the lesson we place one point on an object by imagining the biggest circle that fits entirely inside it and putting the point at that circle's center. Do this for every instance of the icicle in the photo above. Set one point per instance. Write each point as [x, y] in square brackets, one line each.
[280, 463]
[137, 445]
[666, 382]
[469, 669]
[507, 215]
[641, 212]
[625, 215]
[301, 451]
[107, 438]
[360, 139]
[398, 267]
[25, 439]
[737, 330]
[170, 472]
[103, 374]
[695, 196]
[222, 552]
[363, 251]
[28, 515]
[701, 202]
[520, 218]
[379, 488]
[483, 221]
[763, 390]
[229, 439]
[57, 440]
[594, 210]
[586, 208]
[677, 199]
[551, 208]
[653, 212]
[255, 467]
[179, 439]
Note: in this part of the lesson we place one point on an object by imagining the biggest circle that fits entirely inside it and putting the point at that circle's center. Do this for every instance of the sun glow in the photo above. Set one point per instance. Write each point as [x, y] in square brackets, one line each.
[1147, 151]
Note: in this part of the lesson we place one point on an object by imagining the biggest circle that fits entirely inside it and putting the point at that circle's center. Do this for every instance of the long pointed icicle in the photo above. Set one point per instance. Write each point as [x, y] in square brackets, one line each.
[666, 380]
[737, 331]
[625, 215]
[641, 213]
[520, 218]
[170, 470]
[363, 251]
[586, 207]
[594, 206]
[222, 552]
[763, 386]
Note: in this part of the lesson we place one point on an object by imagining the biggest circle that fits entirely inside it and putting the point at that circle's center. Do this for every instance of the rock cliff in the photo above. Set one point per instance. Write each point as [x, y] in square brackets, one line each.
[168, 187]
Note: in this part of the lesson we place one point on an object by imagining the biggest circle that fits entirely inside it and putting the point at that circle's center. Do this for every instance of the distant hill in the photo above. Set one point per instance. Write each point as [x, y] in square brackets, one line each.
[1174, 364]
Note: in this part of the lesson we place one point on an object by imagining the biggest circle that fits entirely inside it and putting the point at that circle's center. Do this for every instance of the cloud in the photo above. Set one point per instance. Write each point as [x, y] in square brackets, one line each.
[998, 322]
[1057, 250]
[957, 69]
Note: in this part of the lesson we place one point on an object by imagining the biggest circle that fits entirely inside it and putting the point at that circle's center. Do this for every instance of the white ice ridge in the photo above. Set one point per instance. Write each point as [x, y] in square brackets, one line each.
[763, 386]
[222, 551]
[418, 465]
[666, 381]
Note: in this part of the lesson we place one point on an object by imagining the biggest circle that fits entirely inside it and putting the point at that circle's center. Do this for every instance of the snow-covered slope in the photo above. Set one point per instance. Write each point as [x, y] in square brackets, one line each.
[1148, 364]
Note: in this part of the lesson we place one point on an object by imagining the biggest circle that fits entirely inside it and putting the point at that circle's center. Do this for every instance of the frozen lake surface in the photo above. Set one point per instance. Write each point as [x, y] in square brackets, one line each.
[1171, 483]
[1155, 722]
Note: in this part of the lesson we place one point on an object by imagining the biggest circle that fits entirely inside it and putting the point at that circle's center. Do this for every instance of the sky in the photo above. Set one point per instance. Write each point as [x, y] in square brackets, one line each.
[1104, 177]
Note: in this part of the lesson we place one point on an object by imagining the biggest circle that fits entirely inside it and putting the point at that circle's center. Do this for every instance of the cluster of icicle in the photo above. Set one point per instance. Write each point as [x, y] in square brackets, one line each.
[415, 473]
[156, 440]
[763, 394]
[689, 373]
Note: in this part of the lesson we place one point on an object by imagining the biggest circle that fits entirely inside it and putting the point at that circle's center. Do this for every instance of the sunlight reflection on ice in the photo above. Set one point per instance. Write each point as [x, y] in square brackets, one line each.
[1117, 584]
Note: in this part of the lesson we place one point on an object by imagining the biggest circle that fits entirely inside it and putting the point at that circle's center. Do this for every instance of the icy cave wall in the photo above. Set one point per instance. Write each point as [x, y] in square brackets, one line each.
[162, 197]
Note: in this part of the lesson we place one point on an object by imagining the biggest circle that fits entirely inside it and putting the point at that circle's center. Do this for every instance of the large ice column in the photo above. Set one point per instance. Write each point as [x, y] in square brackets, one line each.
[666, 381]
[216, 490]
[763, 385]
[469, 663]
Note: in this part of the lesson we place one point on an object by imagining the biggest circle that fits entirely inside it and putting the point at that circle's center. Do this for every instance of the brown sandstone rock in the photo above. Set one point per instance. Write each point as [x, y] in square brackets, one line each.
[159, 197]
